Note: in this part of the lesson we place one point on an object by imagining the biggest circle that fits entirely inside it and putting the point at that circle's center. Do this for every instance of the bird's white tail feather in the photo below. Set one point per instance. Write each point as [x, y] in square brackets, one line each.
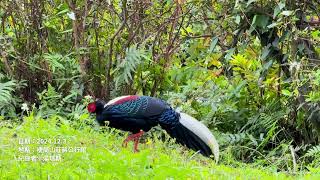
[202, 132]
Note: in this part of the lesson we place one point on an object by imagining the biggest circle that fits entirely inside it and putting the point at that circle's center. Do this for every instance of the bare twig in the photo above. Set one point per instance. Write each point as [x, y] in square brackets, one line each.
[109, 64]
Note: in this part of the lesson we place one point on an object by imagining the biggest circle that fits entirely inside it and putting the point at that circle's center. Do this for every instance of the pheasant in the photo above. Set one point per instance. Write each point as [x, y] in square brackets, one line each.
[138, 114]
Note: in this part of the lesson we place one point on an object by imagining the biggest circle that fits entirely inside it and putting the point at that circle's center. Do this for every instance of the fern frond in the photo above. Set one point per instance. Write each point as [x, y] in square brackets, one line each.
[134, 57]
[313, 151]
[54, 61]
[6, 90]
[234, 138]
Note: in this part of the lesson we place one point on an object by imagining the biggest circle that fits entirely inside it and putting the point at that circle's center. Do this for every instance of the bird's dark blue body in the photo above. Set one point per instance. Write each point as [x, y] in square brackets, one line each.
[138, 113]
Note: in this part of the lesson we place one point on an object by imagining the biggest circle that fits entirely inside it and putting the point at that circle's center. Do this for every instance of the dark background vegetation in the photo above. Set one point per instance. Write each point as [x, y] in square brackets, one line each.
[247, 69]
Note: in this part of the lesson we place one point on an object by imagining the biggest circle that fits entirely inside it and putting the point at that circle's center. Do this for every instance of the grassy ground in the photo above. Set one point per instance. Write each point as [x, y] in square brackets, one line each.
[104, 158]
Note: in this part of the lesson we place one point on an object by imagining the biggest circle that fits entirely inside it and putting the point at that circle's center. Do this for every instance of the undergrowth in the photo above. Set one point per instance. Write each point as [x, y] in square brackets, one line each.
[104, 158]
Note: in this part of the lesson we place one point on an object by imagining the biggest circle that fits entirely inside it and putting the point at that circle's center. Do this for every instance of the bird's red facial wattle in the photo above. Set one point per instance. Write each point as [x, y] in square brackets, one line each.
[92, 107]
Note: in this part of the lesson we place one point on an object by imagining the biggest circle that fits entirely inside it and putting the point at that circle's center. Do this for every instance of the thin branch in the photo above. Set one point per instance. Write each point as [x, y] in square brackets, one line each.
[109, 64]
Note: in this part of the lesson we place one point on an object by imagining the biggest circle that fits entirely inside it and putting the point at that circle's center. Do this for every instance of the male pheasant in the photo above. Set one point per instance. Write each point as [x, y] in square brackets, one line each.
[138, 114]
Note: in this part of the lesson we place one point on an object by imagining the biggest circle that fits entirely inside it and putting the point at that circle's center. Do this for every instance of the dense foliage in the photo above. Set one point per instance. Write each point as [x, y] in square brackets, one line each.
[247, 69]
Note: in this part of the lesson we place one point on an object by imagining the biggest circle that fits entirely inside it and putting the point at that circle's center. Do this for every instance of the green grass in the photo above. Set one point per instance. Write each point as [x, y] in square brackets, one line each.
[104, 157]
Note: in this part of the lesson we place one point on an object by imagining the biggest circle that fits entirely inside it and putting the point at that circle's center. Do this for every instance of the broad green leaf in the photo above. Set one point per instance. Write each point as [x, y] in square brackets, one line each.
[66, 31]
[62, 12]
[260, 21]
[254, 19]
[278, 9]
[272, 25]
[267, 65]
[265, 52]
[287, 13]
[238, 19]
[301, 47]
[315, 34]
[229, 54]
[281, 5]
[214, 42]
[286, 92]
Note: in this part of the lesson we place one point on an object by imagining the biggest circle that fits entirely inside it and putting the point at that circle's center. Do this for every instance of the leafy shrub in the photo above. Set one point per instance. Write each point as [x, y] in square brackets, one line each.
[8, 101]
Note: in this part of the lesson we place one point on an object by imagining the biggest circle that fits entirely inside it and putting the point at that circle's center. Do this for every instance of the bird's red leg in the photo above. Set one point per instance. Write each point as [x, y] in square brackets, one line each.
[132, 137]
[136, 141]
[135, 138]
[125, 142]
[135, 147]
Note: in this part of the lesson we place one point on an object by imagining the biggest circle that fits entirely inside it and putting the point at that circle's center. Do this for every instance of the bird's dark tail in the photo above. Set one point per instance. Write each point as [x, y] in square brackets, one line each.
[195, 135]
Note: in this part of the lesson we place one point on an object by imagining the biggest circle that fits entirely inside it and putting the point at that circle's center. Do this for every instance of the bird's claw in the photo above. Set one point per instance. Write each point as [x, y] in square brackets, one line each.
[136, 150]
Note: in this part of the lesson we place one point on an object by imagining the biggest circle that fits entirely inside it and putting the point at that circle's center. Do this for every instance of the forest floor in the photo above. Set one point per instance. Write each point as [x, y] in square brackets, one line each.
[99, 155]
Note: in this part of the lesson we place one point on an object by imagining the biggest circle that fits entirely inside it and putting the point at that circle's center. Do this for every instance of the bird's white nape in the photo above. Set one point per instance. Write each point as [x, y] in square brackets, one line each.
[115, 100]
